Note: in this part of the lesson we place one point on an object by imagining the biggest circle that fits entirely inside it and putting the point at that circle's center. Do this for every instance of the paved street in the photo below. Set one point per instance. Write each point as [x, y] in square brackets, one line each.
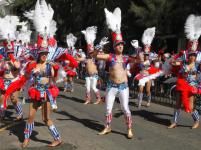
[79, 125]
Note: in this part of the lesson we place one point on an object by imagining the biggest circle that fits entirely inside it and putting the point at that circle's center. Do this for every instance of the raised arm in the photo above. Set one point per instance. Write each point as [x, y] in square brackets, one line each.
[98, 56]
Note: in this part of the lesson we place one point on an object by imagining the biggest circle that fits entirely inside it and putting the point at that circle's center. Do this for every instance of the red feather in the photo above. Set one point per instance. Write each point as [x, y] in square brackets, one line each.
[12, 58]
[13, 87]
[56, 68]
[30, 66]
[186, 90]
[73, 63]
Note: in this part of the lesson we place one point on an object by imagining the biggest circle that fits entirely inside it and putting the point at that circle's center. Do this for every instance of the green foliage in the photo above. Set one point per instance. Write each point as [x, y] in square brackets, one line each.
[75, 15]
[152, 13]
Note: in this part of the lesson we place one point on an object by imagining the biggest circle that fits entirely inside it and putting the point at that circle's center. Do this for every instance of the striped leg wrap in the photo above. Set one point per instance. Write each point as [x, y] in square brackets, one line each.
[66, 86]
[108, 120]
[98, 95]
[149, 98]
[28, 130]
[140, 96]
[18, 109]
[195, 115]
[2, 112]
[88, 96]
[128, 120]
[71, 85]
[176, 115]
[54, 132]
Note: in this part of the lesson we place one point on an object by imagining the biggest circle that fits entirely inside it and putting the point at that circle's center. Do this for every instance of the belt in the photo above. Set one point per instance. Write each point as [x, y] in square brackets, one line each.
[119, 86]
[92, 75]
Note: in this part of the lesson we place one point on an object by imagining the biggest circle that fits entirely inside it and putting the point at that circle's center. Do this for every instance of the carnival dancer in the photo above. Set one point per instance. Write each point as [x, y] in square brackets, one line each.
[70, 72]
[187, 82]
[91, 76]
[10, 66]
[145, 66]
[117, 84]
[44, 91]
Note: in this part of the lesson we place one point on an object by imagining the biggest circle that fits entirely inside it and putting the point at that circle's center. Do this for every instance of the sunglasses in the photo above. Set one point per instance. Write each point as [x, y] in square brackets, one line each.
[43, 54]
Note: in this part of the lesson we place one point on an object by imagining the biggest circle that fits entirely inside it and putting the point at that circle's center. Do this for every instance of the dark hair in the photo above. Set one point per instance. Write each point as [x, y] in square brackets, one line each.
[39, 55]
[192, 54]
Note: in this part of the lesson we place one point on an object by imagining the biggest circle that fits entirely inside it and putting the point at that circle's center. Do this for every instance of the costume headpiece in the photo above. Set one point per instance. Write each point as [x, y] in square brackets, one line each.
[193, 31]
[147, 39]
[8, 26]
[42, 18]
[24, 35]
[71, 40]
[113, 21]
[90, 36]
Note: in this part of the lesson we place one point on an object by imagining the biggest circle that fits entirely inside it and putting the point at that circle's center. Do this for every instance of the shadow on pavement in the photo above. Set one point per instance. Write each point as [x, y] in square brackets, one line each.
[64, 146]
[71, 98]
[150, 116]
[92, 124]
[18, 131]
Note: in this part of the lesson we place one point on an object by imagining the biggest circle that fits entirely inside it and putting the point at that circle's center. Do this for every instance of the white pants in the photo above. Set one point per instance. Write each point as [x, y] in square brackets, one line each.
[123, 97]
[91, 82]
[124, 101]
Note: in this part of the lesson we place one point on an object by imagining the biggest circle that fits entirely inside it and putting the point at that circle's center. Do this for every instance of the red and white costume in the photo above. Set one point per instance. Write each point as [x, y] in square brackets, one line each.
[187, 83]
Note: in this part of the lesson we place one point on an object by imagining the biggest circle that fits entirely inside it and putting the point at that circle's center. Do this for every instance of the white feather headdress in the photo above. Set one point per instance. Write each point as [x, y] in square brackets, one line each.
[24, 35]
[148, 36]
[8, 26]
[42, 18]
[90, 34]
[71, 40]
[113, 20]
[193, 27]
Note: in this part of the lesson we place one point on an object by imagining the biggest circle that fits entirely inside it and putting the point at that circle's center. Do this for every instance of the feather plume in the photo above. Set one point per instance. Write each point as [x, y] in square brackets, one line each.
[24, 35]
[61, 75]
[193, 27]
[29, 14]
[8, 26]
[53, 28]
[90, 34]
[71, 40]
[42, 18]
[113, 20]
[148, 36]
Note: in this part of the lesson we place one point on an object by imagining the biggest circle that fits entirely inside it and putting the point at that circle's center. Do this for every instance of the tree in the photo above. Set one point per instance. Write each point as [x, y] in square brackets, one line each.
[75, 15]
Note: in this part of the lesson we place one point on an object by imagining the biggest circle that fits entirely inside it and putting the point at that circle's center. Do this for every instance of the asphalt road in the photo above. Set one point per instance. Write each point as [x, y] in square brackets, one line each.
[79, 125]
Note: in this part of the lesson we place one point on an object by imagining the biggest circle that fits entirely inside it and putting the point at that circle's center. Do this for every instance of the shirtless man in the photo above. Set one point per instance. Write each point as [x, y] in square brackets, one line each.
[91, 78]
[91, 68]
[117, 85]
